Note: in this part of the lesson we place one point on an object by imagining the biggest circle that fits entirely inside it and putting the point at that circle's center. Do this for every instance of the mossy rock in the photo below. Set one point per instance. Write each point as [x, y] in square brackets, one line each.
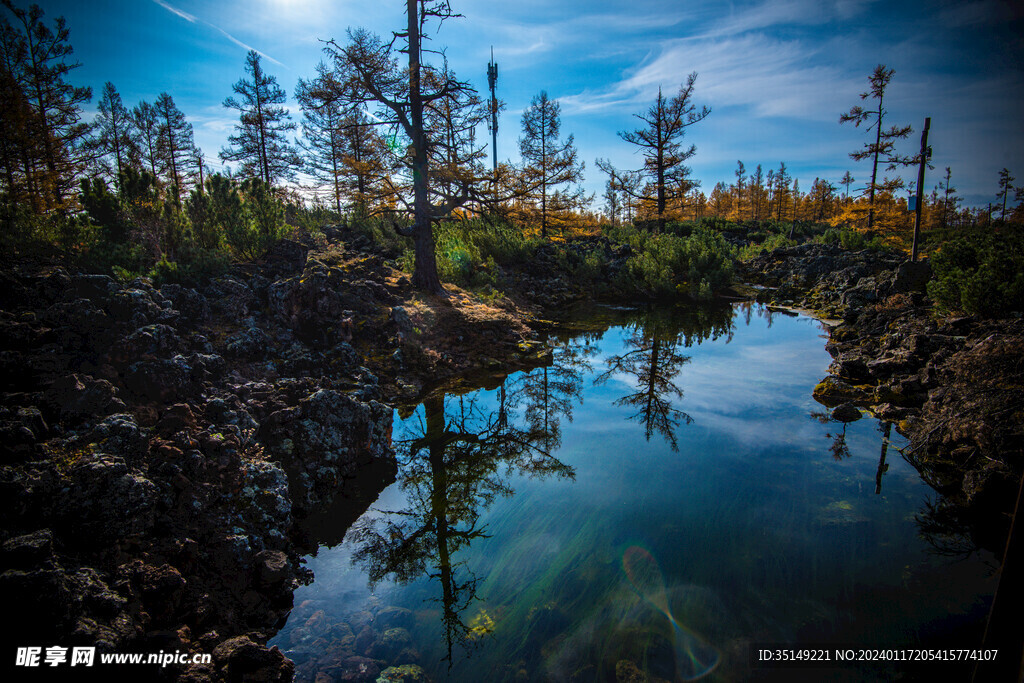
[833, 391]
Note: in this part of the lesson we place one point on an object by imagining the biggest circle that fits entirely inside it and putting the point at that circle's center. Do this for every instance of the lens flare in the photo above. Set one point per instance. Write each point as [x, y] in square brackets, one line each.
[694, 657]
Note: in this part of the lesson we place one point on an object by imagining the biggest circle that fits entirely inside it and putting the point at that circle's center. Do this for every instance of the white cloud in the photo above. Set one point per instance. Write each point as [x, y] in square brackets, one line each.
[174, 10]
[774, 13]
[192, 19]
[771, 77]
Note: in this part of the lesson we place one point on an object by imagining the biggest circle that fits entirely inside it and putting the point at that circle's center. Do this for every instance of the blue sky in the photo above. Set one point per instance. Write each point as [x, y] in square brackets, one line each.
[776, 74]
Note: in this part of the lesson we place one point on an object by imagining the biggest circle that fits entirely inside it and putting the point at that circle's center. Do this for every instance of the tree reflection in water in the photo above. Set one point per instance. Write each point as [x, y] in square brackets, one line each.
[549, 393]
[453, 465]
[653, 360]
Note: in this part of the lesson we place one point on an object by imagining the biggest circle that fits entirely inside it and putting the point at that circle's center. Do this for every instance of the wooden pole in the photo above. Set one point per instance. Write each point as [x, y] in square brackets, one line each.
[920, 186]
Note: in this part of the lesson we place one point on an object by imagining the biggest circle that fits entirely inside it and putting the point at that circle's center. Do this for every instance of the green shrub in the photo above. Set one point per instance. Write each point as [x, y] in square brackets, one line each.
[981, 273]
[666, 264]
[770, 243]
[193, 267]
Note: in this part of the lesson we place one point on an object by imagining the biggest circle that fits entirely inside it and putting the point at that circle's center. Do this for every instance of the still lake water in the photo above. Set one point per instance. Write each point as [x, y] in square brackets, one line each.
[661, 499]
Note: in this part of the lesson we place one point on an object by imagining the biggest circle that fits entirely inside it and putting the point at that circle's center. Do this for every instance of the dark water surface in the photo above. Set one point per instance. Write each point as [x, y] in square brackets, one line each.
[662, 496]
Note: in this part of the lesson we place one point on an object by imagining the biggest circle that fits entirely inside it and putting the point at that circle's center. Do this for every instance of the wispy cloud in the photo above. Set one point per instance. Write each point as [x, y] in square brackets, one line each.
[770, 76]
[774, 13]
[964, 14]
[174, 10]
[192, 19]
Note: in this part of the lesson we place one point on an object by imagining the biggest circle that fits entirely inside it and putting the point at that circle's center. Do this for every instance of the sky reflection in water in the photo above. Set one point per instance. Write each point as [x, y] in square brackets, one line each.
[659, 498]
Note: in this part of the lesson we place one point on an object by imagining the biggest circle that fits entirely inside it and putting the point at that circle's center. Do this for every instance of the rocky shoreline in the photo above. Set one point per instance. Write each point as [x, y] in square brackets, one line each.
[954, 386]
[170, 453]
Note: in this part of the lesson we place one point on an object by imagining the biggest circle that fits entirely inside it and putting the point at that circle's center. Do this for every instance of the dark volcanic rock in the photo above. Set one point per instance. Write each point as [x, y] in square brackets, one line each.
[162, 380]
[310, 305]
[79, 396]
[324, 440]
[241, 659]
[104, 501]
[190, 304]
[249, 343]
[28, 551]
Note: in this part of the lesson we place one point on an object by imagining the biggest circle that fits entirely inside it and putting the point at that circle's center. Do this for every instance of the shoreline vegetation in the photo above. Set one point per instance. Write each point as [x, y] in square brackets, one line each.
[200, 368]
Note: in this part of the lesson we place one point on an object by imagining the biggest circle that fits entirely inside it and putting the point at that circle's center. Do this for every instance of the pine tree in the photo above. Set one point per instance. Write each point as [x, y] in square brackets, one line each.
[322, 124]
[660, 141]
[115, 137]
[175, 145]
[548, 162]
[260, 143]
[36, 57]
[882, 149]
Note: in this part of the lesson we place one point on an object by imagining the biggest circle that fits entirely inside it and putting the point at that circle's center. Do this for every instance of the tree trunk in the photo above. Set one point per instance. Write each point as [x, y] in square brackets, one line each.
[874, 168]
[424, 274]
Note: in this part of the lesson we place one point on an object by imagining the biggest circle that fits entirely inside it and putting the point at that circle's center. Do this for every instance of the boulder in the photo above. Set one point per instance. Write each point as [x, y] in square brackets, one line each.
[190, 304]
[29, 551]
[241, 659]
[324, 440]
[104, 502]
[251, 343]
[161, 381]
[79, 396]
[846, 412]
[833, 391]
[310, 305]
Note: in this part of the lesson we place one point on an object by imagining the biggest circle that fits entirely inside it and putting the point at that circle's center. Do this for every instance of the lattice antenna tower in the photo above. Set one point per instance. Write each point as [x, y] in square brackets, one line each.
[492, 79]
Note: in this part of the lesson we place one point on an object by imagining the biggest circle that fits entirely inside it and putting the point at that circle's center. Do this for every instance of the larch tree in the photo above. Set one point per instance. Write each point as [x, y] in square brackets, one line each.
[949, 198]
[323, 121]
[797, 202]
[20, 150]
[368, 166]
[821, 199]
[757, 192]
[455, 157]
[660, 142]
[781, 191]
[883, 148]
[622, 184]
[36, 58]
[260, 143]
[175, 145]
[549, 162]
[1005, 186]
[115, 138]
[402, 96]
[147, 127]
[847, 180]
[741, 189]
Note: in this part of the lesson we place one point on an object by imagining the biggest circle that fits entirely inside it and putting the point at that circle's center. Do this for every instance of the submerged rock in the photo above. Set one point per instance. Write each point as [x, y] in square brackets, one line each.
[406, 673]
[846, 412]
